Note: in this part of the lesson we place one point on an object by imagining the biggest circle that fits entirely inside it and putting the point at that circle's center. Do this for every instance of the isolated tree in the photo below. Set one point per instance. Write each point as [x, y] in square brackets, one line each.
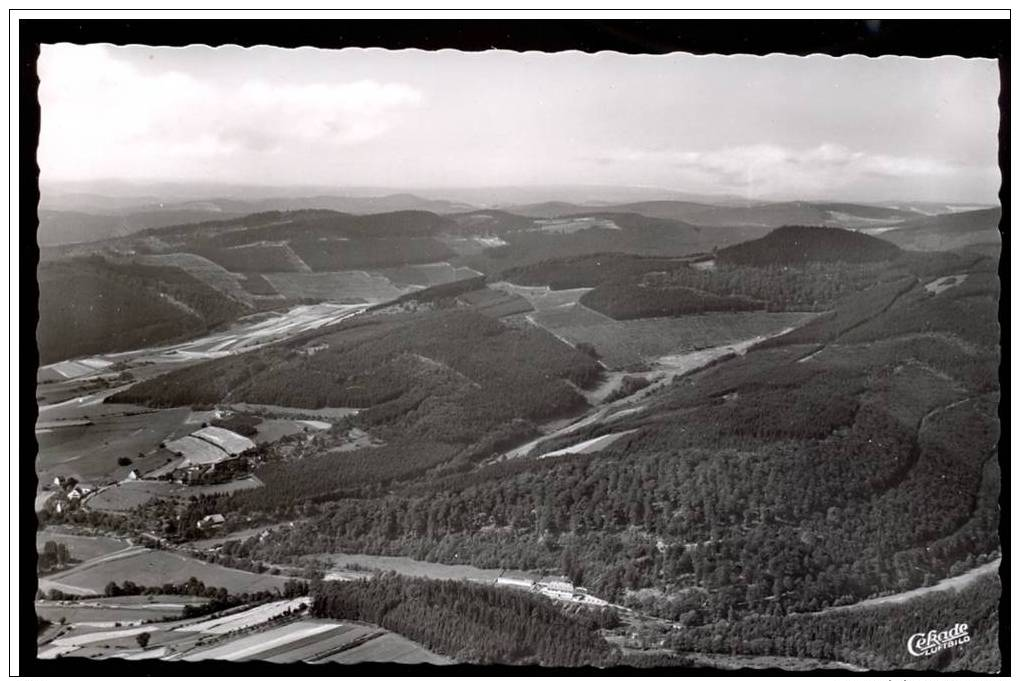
[143, 639]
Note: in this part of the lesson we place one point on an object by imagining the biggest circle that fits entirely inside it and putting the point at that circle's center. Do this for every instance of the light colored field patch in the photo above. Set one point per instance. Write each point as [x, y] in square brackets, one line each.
[542, 297]
[354, 285]
[247, 618]
[94, 637]
[195, 450]
[264, 641]
[574, 224]
[227, 440]
[596, 444]
[945, 283]
[316, 425]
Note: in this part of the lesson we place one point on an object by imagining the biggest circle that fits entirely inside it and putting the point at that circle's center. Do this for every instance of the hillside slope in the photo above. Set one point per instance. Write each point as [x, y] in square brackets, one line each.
[798, 245]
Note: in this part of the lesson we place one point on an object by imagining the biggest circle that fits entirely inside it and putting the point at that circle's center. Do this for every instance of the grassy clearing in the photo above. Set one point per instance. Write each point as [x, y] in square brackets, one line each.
[82, 547]
[357, 286]
[636, 341]
[155, 568]
[91, 452]
[420, 568]
[133, 493]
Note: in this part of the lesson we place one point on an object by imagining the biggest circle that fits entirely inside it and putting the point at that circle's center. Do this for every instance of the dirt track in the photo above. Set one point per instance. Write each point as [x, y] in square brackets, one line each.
[951, 584]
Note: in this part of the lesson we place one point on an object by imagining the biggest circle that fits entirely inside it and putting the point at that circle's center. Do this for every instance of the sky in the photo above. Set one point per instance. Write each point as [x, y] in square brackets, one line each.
[776, 127]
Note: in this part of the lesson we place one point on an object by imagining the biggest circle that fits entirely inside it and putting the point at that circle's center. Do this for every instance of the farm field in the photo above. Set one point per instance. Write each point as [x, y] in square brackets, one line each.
[431, 274]
[315, 414]
[156, 567]
[416, 568]
[108, 611]
[389, 647]
[263, 643]
[495, 302]
[130, 494]
[82, 547]
[542, 297]
[90, 452]
[353, 286]
[251, 617]
[641, 341]
[204, 270]
[271, 430]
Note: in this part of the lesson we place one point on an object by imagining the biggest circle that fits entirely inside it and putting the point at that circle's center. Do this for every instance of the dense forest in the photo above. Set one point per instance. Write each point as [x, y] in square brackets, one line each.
[797, 245]
[436, 386]
[473, 623]
[874, 637]
[769, 484]
[94, 305]
[275, 226]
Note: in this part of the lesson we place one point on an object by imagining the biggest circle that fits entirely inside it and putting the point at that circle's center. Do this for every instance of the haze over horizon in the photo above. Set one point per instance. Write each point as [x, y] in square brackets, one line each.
[774, 128]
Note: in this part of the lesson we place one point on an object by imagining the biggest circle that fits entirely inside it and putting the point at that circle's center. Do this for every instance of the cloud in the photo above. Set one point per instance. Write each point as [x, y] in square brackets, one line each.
[769, 169]
[99, 111]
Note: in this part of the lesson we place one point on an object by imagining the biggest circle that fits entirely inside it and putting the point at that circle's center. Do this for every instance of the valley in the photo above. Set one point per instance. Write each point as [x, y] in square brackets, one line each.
[626, 429]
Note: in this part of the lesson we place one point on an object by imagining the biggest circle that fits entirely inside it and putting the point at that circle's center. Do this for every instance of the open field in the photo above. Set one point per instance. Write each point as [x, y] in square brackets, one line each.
[251, 617]
[318, 414]
[82, 547]
[303, 639]
[130, 494]
[430, 274]
[389, 647]
[588, 446]
[271, 430]
[420, 568]
[204, 270]
[542, 297]
[495, 302]
[353, 286]
[90, 452]
[325, 644]
[263, 643]
[109, 611]
[154, 568]
[642, 341]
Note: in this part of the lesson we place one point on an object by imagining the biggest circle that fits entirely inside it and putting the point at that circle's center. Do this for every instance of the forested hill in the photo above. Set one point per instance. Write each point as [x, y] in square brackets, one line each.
[304, 224]
[798, 245]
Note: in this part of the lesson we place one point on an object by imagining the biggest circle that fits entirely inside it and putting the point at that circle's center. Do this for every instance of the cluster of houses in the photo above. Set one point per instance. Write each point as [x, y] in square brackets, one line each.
[71, 490]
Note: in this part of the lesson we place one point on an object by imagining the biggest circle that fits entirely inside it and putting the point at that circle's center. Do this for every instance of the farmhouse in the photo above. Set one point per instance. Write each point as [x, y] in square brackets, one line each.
[214, 520]
[80, 492]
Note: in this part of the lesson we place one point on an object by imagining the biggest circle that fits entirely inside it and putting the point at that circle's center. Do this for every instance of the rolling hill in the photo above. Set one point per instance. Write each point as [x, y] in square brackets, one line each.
[949, 231]
[749, 213]
[798, 245]
[92, 305]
